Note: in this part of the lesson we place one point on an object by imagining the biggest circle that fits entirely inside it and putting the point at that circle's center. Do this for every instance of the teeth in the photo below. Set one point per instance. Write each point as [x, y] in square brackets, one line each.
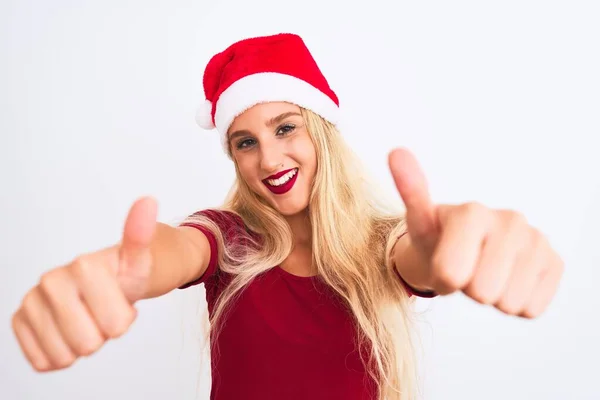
[283, 179]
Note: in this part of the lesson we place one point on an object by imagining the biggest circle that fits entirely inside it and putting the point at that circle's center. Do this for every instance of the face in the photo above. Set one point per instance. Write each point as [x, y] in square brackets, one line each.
[275, 155]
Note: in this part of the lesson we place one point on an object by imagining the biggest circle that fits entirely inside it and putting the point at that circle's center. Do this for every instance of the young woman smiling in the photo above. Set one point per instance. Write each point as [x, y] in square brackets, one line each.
[309, 278]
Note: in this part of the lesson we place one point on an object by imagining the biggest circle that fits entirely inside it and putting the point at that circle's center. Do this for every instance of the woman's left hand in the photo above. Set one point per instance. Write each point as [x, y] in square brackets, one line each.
[493, 256]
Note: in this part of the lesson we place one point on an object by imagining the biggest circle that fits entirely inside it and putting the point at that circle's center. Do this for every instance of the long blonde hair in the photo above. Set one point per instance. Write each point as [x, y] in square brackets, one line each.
[353, 234]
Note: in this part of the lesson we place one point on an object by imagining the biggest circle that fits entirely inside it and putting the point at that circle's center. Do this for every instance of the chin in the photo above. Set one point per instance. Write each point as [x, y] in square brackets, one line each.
[288, 209]
[291, 211]
[287, 205]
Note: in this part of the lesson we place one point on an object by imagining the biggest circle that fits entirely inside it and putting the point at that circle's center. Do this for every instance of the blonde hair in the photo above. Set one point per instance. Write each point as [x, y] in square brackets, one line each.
[353, 235]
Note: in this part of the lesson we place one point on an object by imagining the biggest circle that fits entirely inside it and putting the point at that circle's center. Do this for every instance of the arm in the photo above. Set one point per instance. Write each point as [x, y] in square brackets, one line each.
[91, 299]
[180, 255]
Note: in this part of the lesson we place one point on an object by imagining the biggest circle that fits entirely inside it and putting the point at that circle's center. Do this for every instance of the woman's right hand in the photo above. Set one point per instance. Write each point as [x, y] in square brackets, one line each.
[76, 308]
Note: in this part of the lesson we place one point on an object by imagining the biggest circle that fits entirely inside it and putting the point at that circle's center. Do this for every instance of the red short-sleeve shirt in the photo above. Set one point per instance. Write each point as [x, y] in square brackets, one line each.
[286, 337]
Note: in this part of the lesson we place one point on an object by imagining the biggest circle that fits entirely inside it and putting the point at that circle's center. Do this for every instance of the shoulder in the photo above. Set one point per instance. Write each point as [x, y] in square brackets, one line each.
[223, 218]
[229, 223]
[204, 228]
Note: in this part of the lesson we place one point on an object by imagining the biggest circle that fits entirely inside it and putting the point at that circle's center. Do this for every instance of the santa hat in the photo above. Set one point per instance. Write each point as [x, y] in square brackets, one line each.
[263, 69]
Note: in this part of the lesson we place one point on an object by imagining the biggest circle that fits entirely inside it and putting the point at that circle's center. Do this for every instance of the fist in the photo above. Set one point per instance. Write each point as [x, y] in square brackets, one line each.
[76, 308]
[494, 256]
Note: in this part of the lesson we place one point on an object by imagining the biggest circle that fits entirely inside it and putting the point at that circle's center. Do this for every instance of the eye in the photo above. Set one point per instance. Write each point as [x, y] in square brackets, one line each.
[245, 143]
[285, 129]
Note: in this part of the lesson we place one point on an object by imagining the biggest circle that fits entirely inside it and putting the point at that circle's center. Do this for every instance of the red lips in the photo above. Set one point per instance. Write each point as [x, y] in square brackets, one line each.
[286, 187]
[279, 174]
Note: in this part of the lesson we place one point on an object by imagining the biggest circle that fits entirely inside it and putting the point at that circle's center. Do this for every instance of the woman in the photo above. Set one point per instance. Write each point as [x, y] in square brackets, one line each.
[309, 276]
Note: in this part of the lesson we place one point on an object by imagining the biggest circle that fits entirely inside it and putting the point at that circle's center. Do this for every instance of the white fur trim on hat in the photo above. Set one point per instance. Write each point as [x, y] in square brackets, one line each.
[270, 86]
[203, 115]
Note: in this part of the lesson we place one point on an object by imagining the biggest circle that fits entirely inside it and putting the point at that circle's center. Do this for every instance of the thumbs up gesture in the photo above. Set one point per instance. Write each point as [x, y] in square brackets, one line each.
[493, 256]
[76, 308]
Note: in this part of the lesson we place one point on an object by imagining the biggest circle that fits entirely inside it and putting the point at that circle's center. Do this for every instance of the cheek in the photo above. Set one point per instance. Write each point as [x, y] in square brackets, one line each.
[305, 152]
[247, 171]
[310, 162]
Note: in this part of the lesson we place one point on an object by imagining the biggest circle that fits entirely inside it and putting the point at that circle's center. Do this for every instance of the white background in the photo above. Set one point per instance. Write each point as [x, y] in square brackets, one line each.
[499, 101]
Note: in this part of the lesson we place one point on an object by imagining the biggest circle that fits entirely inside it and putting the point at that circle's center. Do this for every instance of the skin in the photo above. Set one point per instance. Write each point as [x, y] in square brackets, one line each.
[493, 256]
[269, 138]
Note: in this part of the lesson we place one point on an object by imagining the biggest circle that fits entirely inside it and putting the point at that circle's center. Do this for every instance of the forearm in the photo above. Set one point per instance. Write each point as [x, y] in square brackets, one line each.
[176, 260]
[410, 265]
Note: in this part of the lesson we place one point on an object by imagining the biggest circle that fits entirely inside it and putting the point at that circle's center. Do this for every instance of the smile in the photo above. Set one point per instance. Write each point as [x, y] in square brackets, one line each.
[284, 183]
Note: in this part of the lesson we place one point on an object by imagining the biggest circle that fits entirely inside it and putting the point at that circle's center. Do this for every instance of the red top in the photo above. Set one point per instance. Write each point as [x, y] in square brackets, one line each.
[286, 337]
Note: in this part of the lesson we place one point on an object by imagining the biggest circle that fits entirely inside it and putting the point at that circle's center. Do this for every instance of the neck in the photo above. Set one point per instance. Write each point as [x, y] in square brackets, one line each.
[301, 228]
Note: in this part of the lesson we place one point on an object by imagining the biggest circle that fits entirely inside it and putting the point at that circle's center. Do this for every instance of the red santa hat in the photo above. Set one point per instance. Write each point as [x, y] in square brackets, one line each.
[263, 69]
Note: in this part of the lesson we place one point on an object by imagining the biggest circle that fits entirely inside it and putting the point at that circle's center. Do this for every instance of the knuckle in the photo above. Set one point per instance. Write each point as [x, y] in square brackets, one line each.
[64, 360]
[117, 325]
[448, 279]
[89, 346]
[483, 296]
[446, 276]
[474, 212]
[29, 302]
[473, 208]
[509, 306]
[40, 365]
[537, 239]
[516, 220]
[115, 329]
[50, 282]
[529, 313]
[18, 324]
[81, 267]
[484, 290]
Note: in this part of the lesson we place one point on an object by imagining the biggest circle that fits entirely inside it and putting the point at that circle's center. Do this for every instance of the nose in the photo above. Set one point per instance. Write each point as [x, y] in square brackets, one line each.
[271, 159]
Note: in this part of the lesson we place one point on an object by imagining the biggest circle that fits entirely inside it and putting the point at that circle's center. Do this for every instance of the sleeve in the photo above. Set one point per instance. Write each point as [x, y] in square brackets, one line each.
[225, 221]
[412, 291]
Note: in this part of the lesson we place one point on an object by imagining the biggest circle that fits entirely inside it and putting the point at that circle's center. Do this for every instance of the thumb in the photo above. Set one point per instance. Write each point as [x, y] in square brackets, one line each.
[412, 185]
[135, 256]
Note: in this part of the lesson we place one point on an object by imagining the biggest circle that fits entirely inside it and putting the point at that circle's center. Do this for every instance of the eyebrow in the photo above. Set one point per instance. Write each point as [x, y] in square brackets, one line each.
[275, 120]
[270, 123]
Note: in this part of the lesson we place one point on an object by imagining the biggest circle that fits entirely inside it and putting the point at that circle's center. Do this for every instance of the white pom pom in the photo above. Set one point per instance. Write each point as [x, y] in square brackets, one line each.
[204, 117]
